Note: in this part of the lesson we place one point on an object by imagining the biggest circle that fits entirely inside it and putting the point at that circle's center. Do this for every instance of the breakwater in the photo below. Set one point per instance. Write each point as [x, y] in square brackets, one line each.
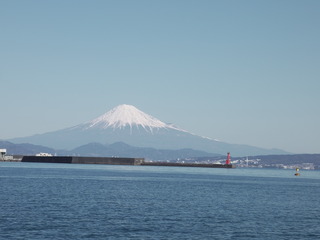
[115, 161]
[83, 160]
[172, 164]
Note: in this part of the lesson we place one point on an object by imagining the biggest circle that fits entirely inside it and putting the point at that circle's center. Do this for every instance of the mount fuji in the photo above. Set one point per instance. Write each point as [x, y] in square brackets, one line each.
[125, 123]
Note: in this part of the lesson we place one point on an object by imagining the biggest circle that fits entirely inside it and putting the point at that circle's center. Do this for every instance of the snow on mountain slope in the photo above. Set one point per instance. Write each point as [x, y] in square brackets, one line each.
[127, 115]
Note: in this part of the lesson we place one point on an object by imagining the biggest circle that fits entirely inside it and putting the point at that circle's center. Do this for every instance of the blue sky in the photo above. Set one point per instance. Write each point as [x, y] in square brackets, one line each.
[239, 71]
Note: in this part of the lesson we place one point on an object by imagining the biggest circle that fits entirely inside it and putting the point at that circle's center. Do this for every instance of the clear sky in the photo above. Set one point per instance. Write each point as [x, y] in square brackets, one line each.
[239, 71]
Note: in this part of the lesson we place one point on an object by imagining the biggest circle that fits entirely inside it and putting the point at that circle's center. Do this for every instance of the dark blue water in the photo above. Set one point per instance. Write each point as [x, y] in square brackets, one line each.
[69, 201]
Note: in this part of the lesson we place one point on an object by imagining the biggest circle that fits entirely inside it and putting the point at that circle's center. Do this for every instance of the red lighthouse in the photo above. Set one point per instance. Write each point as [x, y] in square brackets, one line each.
[228, 161]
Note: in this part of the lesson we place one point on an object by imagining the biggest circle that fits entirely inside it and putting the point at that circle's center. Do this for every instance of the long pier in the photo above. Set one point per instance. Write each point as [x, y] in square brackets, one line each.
[83, 160]
[173, 164]
[111, 161]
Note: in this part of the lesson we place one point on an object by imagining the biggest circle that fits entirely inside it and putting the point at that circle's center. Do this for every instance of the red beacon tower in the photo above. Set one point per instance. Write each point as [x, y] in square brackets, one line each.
[228, 161]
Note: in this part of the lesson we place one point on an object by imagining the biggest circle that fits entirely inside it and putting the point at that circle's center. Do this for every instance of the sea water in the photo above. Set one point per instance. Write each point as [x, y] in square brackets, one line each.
[73, 201]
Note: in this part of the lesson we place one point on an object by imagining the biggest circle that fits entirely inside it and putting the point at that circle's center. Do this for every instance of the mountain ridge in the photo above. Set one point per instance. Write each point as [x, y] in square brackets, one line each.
[121, 149]
[93, 149]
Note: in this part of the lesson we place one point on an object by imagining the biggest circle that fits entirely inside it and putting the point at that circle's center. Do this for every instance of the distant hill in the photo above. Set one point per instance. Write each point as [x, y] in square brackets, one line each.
[118, 149]
[121, 149]
[24, 148]
[288, 159]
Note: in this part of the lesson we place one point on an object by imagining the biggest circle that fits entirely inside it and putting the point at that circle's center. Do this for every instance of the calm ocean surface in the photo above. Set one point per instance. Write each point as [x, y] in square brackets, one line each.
[71, 201]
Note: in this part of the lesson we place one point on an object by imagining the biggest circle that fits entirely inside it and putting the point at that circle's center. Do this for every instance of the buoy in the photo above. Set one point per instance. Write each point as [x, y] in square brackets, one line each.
[297, 172]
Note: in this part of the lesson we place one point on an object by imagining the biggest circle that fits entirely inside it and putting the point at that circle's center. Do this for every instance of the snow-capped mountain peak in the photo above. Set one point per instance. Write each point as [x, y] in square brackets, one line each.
[127, 115]
[127, 124]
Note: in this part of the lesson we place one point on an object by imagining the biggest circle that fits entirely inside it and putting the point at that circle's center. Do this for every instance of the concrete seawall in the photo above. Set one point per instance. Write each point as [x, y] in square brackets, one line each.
[115, 161]
[83, 160]
[171, 164]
